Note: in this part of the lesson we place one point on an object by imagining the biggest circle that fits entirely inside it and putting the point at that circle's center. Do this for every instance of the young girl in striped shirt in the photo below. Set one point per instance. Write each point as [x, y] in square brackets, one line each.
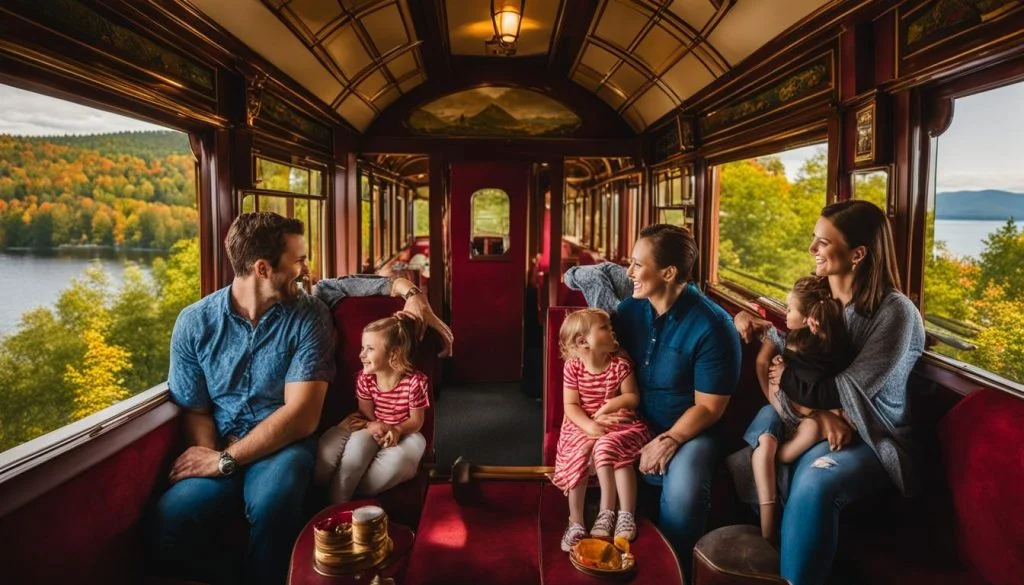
[600, 429]
[379, 446]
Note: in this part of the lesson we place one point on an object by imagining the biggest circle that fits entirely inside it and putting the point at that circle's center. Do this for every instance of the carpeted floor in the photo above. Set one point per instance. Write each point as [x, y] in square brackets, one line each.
[489, 424]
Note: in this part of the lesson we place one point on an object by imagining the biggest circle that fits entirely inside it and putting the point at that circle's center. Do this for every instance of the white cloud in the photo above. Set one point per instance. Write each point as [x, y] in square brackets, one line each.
[24, 113]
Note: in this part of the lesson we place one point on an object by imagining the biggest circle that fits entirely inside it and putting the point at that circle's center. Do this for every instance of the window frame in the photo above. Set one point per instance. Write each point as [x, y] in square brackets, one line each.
[819, 132]
[936, 108]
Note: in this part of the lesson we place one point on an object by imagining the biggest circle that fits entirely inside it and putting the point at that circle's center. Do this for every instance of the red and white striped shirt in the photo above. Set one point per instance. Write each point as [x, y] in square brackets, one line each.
[392, 407]
[595, 389]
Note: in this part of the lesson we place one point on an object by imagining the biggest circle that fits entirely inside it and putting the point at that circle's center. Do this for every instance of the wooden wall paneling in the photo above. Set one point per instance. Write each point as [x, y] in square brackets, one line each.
[438, 205]
[556, 169]
[345, 217]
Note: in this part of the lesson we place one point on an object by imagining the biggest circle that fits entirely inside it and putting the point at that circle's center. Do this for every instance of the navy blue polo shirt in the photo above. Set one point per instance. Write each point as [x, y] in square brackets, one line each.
[693, 346]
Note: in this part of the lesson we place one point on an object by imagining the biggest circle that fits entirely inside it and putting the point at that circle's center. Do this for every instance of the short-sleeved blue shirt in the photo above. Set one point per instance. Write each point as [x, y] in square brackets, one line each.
[219, 360]
[693, 346]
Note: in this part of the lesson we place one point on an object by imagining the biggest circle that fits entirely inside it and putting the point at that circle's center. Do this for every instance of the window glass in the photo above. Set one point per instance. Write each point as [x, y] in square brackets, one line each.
[421, 217]
[675, 196]
[766, 213]
[872, 186]
[974, 241]
[489, 223]
[99, 244]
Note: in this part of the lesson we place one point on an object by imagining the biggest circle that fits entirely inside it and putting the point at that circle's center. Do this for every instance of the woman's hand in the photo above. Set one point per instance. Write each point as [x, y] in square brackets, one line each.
[654, 457]
[834, 429]
[750, 327]
[417, 307]
[775, 373]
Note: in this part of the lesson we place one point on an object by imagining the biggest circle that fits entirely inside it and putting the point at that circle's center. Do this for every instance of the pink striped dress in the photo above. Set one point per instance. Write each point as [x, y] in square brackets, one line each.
[621, 443]
[392, 407]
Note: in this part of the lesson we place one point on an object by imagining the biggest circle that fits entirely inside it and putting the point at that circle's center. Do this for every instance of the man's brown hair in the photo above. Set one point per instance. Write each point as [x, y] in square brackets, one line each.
[255, 236]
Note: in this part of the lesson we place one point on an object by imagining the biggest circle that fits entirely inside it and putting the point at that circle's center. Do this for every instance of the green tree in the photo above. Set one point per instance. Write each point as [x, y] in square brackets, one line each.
[97, 384]
[1002, 262]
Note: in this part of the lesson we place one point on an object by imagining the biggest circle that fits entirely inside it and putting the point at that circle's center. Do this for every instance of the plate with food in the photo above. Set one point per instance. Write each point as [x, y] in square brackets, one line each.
[603, 558]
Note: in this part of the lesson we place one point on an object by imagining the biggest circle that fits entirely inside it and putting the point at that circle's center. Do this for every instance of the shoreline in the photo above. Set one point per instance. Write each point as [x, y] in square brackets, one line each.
[87, 248]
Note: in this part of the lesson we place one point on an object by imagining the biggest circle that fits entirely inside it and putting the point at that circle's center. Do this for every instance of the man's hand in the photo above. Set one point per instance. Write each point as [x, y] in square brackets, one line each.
[654, 457]
[418, 307]
[750, 327]
[376, 428]
[195, 462]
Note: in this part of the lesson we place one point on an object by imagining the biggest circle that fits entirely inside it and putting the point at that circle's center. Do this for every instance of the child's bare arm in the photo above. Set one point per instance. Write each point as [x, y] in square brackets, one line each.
[576, 414]
[764, 361]
[629, 397]
[366, 409]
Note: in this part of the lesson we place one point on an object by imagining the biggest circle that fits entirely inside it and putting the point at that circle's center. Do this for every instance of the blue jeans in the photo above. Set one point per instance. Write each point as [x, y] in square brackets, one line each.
[815, 489]
[686, 494]
[181, 533]
[767, 422]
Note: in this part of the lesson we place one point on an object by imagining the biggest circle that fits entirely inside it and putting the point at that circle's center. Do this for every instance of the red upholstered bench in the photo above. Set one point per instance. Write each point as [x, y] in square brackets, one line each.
[509, 533]
[968, 527]
[351, 315]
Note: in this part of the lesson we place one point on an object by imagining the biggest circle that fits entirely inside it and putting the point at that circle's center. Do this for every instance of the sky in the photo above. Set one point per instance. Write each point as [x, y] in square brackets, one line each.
[982, 149]
[24, 113]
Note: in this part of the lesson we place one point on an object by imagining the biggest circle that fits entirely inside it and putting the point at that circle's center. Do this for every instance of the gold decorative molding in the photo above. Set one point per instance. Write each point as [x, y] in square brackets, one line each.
[254, 97]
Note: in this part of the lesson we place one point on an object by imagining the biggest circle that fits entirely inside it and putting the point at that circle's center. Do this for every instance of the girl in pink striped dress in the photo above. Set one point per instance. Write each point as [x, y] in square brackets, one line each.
[379, 446]
[600, 430]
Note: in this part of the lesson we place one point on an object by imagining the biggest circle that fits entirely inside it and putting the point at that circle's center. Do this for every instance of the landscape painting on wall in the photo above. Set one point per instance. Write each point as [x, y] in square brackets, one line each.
[494, 111]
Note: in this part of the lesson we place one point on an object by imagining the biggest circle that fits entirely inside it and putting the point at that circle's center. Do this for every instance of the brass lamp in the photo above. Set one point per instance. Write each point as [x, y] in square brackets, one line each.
[507, 18]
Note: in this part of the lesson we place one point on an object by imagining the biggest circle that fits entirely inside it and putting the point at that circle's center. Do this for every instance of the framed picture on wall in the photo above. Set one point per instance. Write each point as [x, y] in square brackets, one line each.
[864, 144]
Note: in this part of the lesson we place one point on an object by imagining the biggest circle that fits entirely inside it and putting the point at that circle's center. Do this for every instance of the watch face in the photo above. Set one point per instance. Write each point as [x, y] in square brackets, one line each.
[227, 464]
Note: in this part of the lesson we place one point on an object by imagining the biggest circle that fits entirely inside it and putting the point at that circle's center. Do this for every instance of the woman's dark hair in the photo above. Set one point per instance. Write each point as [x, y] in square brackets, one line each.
[814, 297]
[864, 224]
[672, 246]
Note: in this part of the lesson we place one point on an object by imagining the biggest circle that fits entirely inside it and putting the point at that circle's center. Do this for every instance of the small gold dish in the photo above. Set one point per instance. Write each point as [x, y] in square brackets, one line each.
[601, 558]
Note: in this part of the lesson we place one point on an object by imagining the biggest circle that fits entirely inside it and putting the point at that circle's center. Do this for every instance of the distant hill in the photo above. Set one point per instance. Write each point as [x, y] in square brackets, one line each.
[979, 205]
[493, 116]
[424, 121]
[148, 145]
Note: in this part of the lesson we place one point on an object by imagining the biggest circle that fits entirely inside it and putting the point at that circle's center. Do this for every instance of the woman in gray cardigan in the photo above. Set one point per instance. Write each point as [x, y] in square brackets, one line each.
[853, 247]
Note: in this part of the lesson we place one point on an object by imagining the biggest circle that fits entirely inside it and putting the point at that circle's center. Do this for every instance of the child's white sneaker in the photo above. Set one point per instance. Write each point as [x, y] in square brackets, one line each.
[573, 534]
[625, 526]
[604, 523]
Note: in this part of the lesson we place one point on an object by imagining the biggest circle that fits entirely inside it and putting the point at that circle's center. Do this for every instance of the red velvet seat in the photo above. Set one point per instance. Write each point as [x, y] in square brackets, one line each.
[968, 527]
[403, 502]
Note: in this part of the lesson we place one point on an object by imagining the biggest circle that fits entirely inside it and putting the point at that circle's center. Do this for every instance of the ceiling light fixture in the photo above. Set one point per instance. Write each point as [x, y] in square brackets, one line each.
[507, 18]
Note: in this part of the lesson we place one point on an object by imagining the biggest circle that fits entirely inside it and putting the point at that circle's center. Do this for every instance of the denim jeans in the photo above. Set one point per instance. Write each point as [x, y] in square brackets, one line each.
[815, 489]
[186, 519]
[686, 494]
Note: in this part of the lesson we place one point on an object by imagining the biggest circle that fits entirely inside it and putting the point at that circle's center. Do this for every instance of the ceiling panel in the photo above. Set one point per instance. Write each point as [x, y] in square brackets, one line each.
[386, 28]
[620, 22]
[348, 51]
[357, 112]
[656, 47]
[628, 79]
[599, 60]
[749, 25]
[654, 104]
[696, 13]
[687, 76]
[315, 14]
[402, 65]
[470, 25]
[611, 96]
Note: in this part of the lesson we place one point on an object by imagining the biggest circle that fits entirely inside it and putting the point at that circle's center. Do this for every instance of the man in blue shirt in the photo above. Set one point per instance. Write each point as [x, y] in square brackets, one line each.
[250, 365]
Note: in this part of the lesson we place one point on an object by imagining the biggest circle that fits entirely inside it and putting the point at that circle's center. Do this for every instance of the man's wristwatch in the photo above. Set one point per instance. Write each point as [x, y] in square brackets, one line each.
[413, 291]
[227, 464]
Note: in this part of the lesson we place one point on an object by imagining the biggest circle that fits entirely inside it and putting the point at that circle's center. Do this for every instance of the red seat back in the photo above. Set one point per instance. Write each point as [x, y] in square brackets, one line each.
[553, 382]
[980, 440]
[351, 315]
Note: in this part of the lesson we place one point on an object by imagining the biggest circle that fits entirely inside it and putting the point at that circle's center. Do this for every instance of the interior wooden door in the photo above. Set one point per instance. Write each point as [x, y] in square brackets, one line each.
[488, 280]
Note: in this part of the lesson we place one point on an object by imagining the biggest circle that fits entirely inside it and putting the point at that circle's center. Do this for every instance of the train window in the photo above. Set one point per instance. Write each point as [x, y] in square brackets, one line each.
[767, 207]
[421, 213]
[99, 247]
[872, 186]
[674, 200]
[365, 222]
[294, 191]
[974, 242]
[489, 223]
[613, 231]
[598, 197]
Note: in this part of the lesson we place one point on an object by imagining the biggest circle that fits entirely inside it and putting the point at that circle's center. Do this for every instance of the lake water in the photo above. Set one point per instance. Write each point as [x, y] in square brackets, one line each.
[32, 279]
[965, 237]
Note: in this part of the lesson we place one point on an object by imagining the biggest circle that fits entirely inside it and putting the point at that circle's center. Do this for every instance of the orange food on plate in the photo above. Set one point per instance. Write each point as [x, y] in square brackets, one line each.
[598, 554]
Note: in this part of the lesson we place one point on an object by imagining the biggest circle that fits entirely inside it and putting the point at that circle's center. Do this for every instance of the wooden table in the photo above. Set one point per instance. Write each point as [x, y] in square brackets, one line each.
[301, 571]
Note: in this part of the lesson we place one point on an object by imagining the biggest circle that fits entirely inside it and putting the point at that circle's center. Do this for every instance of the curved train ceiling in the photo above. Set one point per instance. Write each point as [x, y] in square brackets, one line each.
[641, 57]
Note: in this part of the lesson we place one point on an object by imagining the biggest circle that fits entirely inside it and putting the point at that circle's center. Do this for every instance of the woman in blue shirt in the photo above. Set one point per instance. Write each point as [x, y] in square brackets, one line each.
[687, 356]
